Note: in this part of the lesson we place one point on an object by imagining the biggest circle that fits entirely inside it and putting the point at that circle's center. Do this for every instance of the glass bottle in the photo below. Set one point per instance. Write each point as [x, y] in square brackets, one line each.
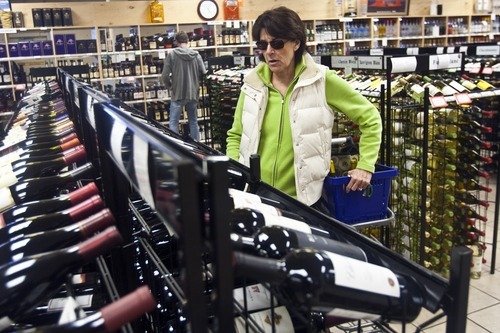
[231, 10]
[156, 12]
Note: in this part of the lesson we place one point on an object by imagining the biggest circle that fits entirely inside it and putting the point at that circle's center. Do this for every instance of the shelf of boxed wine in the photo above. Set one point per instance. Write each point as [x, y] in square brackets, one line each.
[443, 155]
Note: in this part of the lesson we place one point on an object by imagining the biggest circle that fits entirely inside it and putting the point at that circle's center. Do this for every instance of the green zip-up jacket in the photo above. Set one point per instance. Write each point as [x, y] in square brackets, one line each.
[281, 165]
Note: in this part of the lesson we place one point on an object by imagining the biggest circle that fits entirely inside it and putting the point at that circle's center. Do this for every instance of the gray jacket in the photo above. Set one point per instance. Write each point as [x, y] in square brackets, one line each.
[182, 72]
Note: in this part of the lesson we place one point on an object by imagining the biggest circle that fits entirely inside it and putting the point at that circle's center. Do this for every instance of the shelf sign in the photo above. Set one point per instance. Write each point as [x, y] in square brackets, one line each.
[463, 98]
[439, 50]
[488, 50]
[239, 60]
[344, 61]
[140, 153]
[450, 49]
[317, 59]
[376, 52]
[403, 64]
[463, 49]
[438, 102]
[370, 62]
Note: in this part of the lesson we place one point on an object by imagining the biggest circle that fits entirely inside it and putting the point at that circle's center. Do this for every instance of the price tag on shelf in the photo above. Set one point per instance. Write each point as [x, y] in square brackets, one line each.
[345, 19]
[462, 98]
[162, 54]
[376, 52]
[475, 70]
[487, 70]
[450, 49]
[384, 41]
[352, 43]
[438, 102]
[20, 87]
[463, 49]
[412, 51]
[439, 50]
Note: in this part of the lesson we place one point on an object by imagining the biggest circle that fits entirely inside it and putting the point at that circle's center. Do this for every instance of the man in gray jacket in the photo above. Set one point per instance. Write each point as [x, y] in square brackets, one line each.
[182, 71]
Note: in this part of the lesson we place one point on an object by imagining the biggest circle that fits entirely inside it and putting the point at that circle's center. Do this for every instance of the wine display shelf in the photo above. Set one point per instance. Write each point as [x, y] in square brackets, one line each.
[160, 184]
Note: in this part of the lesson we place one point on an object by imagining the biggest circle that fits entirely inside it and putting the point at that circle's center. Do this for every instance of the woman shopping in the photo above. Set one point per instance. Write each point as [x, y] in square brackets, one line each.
[285, 113]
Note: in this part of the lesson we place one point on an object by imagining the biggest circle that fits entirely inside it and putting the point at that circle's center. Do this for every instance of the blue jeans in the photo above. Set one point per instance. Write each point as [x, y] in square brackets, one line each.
[191, 110]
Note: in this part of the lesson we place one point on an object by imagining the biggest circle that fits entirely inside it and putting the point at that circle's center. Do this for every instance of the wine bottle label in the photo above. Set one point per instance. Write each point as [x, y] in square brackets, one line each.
[6, 200]
[342, 313]
[70, 310]
[286, 222]
[257, 297]
[7, 179]
[5, 323]
[57, 304]
[281, 323]
[360, 275]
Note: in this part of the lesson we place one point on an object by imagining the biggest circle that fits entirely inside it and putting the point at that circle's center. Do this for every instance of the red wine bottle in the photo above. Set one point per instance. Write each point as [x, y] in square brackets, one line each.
[52, 143]
[56, 131]
[50, 221]
[56, 148]
[470, 199]
[38, 207]
[44, 241]
[41, 168]
[13, 155]
[473, 157]
[275, 242]
[23, 161]
[342, 286]
[247, 221]
[27, 282]
[110, 318]
[472, 185]
[40, 188]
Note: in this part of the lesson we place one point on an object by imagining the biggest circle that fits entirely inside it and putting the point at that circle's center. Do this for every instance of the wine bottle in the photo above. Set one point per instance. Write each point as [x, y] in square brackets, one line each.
[467, 212]
[470, 199]
[276, 241]
[342, 286]
[473, 157]
[31, 224]
[246, 222]
[41, 168]
[32, 153]
[40, 188]
[23, 161]
[43, 241]
[38, 207]
[26, 282]
[52, 143]
[110, 318]
[476, 264]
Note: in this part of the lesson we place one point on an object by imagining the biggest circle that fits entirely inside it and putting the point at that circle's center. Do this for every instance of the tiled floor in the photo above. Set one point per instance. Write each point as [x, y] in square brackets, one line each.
[484, 293]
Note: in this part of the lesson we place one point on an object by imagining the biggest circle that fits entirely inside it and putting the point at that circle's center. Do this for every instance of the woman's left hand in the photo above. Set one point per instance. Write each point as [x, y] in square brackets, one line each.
[360, 179]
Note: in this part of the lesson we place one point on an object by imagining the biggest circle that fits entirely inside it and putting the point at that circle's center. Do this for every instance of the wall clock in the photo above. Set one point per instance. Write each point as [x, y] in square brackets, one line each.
[208, 9]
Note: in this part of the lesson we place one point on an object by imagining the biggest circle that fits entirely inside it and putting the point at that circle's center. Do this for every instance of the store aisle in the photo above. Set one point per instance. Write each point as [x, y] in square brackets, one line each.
[484, 293]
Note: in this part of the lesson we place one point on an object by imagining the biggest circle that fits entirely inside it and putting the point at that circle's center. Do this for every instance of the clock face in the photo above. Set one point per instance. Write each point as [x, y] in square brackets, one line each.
[208, 9]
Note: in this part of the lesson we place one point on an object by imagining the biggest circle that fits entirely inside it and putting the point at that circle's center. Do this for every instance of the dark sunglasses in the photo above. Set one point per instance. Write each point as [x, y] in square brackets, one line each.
[275, 44]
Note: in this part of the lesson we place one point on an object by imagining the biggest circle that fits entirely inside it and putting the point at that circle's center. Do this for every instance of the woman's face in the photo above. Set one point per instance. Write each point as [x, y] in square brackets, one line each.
[279, 60]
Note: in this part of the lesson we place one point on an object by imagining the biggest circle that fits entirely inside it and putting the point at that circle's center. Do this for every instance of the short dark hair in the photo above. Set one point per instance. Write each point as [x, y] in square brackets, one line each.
[284, 23]
[181, 37]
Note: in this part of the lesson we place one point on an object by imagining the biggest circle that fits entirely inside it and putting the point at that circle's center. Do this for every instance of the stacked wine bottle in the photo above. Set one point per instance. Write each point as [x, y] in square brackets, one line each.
[53, 224]
[270, 245]
[439, 198]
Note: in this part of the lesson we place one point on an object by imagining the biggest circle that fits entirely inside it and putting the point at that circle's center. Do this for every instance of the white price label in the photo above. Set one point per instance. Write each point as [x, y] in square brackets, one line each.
[403, 64]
